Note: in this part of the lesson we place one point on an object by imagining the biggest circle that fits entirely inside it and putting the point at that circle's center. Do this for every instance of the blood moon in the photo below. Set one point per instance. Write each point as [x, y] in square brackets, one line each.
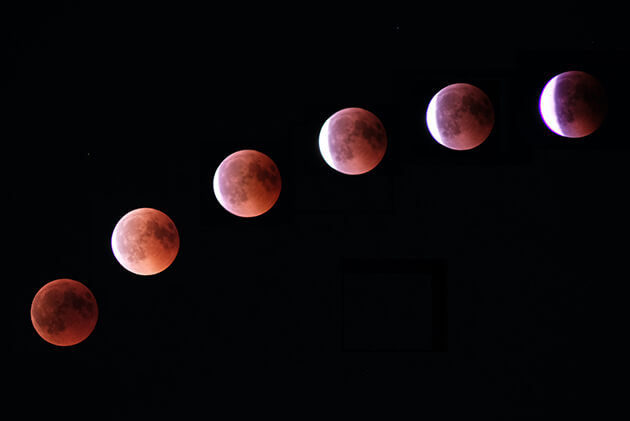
[460, 116]
[145, 241]
[573, 104]
[247, 183]
[64, 312]
[352, 141]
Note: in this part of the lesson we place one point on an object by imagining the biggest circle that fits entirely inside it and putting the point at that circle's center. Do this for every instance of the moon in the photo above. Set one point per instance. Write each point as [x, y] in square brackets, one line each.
[460, 116]
[573, 104]
[247, 183]
[352, 141]
[64, 312]
[145, 241]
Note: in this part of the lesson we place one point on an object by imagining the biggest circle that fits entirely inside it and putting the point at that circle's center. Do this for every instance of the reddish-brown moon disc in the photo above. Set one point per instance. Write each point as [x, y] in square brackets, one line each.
[145, 241]
[247, 183]
[352, 141]
[573, 104]
[460, 116]
[64, 312]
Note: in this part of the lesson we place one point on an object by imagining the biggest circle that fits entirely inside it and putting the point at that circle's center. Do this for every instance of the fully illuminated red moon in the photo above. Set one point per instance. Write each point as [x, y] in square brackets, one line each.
[64, 312]
[247, 183]
[352, 141]
[460, 116]
[573, 104]
[145, 241]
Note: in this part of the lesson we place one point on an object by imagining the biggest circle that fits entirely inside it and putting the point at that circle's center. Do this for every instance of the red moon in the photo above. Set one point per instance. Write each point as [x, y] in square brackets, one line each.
[247, 183]
[460, 116]
[64, 312]
[573, 104]
[352, 141]
[145, 241]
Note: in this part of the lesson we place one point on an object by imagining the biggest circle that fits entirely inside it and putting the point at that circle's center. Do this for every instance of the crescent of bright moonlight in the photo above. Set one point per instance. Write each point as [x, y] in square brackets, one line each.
[432, 120]
[323, 144]
[548, 107]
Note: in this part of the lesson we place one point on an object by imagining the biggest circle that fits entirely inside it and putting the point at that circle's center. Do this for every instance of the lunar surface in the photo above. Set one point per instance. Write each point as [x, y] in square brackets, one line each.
[247, 183]
[352, 141]
[64, 312]
[145, 241]
[573, 104]
[460, 116]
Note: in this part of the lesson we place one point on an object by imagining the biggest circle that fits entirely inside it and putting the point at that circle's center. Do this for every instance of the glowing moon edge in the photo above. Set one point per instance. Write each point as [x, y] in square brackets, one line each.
[547, 107]
[432, 119]
[324, 144]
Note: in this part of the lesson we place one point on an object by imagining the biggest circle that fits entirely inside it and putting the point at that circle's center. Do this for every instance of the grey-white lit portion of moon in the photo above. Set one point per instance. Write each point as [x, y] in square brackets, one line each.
[145, 241]
[573, 104]
[460, 116]
[352, 141]
[247, 183]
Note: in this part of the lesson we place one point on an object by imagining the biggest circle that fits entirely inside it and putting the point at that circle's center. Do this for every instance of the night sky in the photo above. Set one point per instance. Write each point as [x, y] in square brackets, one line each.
[445, 283]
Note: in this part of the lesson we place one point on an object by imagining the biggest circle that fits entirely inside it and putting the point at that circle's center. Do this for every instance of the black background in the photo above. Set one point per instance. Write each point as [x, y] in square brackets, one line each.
[113, 107]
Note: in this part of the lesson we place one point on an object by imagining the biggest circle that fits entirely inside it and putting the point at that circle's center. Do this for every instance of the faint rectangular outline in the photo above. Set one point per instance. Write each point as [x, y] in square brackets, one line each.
[437, 268]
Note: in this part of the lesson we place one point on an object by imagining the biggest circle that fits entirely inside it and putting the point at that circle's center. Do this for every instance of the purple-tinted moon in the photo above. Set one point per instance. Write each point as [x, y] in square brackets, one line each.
[64, 312]
[460, 116]
[352, 141]
[573, 104]
[145, 241]
[247, 183]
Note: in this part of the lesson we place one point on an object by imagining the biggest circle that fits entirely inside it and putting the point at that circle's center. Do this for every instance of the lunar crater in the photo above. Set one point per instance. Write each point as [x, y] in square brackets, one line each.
[566, 99]
[233, 189]
[373, 133]
[163, 232]
[342, 138]
[78, 303]
[478, 107]
[129, 243]
[267, 175]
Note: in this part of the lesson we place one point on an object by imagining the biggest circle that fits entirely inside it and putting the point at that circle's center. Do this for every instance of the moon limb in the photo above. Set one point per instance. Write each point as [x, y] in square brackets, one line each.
[215, 185]
[324, 146]
[432, 119]
[547, 107]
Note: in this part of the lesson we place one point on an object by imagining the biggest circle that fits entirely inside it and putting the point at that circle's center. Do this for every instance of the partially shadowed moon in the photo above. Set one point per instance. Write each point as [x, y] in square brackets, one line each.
[573, 104]
[352, 141]
[247, 183]
[64, 312]
[460, 116]
[145, 241]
